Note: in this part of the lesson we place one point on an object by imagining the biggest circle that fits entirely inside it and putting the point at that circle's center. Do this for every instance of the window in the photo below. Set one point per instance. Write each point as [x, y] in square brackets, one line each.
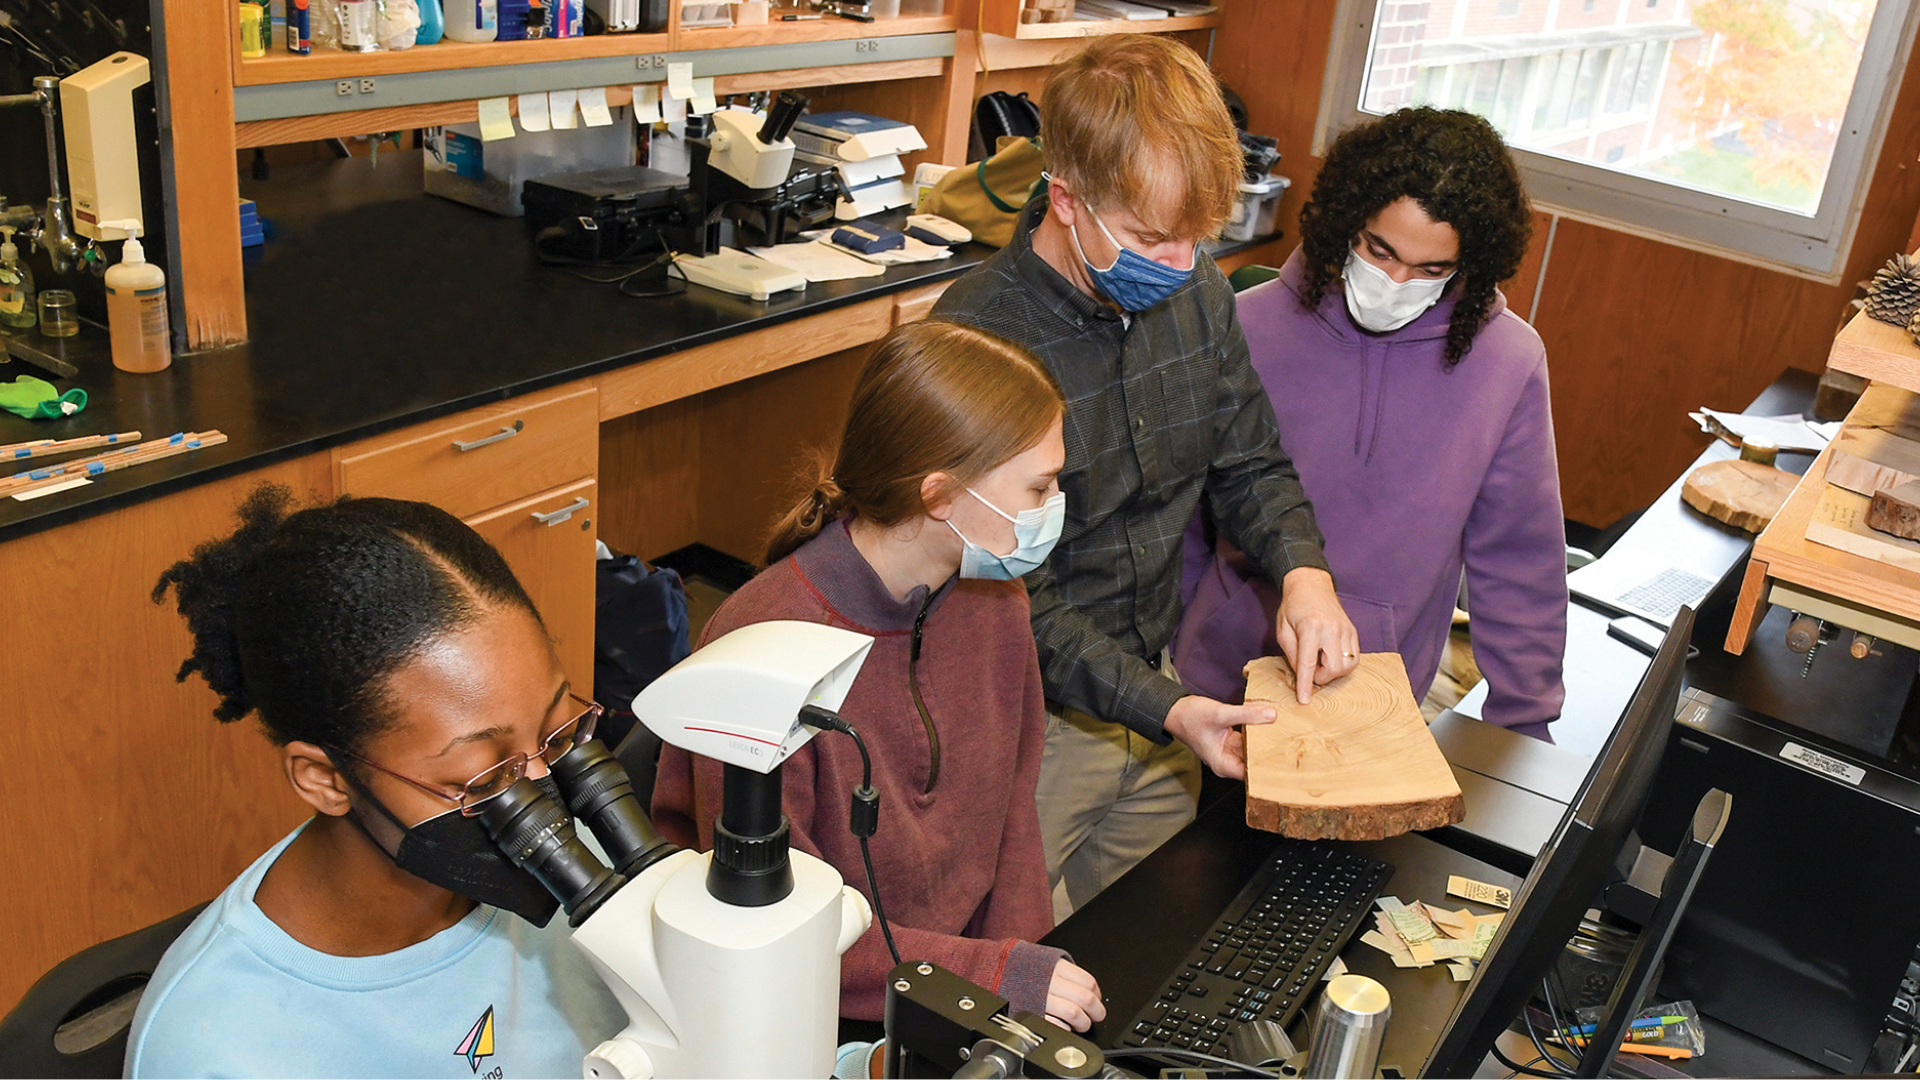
[1747, 127]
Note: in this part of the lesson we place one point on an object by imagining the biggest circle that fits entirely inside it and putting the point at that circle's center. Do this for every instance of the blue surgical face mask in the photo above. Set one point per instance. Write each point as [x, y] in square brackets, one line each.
[1035, 532]
[1134, 281]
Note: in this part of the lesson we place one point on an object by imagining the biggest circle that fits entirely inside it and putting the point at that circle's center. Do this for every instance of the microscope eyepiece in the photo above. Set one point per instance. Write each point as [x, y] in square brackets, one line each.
[534, 831]
[599, 792]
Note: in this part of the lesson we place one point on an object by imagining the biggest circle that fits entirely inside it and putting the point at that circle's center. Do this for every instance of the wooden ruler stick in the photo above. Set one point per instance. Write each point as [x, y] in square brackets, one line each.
[49, 447]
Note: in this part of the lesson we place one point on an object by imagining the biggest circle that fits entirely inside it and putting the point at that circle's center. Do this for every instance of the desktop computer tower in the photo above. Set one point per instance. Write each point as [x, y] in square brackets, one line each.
[1803, 927]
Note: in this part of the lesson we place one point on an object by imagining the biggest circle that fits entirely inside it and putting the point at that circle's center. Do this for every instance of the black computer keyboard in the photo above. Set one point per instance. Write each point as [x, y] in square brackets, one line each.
[1264, 957]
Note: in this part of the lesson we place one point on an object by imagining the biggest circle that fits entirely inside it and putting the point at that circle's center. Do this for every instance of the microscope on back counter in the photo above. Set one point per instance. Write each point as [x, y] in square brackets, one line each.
[728, 964]
[744, 187]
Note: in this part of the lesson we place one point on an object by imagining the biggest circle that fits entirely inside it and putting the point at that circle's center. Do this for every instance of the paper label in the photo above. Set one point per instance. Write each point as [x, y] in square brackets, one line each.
[672, 109]
[1824, 764]
[1479, 891]
[1483, 937]
[703, 98]
[1408, 925]
[533, 112]
[1460, 972]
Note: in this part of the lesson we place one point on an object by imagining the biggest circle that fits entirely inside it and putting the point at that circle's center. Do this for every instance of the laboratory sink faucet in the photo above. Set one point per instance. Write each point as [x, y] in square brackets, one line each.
[51, 230]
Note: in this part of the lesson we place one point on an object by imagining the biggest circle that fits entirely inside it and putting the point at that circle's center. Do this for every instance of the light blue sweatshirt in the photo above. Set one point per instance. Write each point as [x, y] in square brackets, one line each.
[490, 996]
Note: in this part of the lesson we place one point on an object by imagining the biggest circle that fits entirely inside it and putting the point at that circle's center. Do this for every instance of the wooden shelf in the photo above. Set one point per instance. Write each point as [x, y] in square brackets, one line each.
[785, 33]
[1782, 553]
[1879, 351]
[285, 67]
[1074, 28]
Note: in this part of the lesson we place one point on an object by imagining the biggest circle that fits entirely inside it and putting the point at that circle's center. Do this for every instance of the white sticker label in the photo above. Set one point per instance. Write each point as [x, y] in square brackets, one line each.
[1821, 763]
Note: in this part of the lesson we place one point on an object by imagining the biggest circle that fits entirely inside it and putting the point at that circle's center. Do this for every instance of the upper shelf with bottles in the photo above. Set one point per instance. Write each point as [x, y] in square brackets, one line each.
[280, 66]
[1003, 17]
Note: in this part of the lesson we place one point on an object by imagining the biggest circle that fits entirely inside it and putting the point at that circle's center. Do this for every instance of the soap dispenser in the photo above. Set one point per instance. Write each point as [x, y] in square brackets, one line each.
[137, 307]
[16, 286]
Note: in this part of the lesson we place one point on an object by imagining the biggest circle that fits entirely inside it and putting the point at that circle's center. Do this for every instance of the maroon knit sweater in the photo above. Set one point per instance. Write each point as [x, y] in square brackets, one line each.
[960, 867]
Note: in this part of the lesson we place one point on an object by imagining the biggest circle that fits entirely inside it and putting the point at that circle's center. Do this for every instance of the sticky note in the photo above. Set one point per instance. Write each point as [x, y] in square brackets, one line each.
[1482, 937]
[1451, 949]
[1460, 972]
[593, 107]
[1409, 925]
[673, 109]
[646, 103]
[680, 80]
[1422, 952]
[560, 108]
[533, 112]
[703, 102]
[1334, 970]
[496, 119]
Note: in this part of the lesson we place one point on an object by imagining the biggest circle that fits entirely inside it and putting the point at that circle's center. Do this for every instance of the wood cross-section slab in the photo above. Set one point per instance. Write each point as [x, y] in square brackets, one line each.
[1356, 763]
[1744, 494]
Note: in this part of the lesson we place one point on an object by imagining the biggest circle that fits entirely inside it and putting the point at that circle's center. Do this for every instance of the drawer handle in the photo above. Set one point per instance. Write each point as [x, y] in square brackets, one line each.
[505, 433]
[562, 514]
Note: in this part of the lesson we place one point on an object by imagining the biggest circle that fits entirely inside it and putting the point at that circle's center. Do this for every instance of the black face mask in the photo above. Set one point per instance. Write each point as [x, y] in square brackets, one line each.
[454, 852]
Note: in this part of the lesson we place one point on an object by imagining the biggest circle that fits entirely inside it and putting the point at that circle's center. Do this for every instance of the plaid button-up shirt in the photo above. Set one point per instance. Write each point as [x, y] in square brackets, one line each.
[1163, 408]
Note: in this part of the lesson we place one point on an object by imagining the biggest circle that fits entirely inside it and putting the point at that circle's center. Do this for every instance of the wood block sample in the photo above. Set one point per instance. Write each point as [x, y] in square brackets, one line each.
[1840, 521]
[1867, 460]
[1356, 763]
[1888, 408]
[1896, 512]
[1744, 494]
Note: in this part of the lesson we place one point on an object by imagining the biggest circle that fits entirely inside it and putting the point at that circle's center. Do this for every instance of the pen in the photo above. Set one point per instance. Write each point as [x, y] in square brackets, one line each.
[1650, 1050]
[799, 18]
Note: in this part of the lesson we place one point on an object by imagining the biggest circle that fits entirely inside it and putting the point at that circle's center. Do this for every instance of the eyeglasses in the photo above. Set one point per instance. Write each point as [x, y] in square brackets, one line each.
[504, 775]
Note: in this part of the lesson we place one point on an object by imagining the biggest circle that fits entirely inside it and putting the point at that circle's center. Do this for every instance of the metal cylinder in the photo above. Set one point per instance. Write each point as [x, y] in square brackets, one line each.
[1348, 1028]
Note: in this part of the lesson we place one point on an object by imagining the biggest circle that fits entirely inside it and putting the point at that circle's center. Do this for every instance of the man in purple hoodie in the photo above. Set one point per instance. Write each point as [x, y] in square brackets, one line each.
[1415, 406]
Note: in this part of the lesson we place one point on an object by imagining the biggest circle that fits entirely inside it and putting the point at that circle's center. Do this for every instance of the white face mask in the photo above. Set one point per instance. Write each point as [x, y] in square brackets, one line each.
[1379, 303]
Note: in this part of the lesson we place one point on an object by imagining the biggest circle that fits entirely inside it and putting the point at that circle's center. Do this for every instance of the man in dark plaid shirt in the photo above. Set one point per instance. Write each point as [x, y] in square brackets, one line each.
[1163, 409]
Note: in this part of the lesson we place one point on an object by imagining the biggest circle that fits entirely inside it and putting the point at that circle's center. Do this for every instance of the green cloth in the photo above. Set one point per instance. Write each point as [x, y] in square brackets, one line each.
[36, 399]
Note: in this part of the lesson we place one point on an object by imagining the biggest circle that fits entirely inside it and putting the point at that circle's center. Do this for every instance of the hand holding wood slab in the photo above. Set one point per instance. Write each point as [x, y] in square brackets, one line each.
[1357, 763]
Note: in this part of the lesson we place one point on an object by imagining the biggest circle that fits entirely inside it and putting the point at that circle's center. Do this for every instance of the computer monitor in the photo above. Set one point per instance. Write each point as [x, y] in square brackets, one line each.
[1572, 869]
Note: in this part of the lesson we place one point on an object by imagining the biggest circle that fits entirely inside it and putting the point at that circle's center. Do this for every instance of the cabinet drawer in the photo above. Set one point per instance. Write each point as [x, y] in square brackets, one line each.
[548, 541]
[480, 458]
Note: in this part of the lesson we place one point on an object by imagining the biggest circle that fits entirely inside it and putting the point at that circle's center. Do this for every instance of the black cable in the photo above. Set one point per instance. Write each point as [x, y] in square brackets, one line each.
[1191, 1055]
[1528, 1068]
[1559, 1031]
[864, 818]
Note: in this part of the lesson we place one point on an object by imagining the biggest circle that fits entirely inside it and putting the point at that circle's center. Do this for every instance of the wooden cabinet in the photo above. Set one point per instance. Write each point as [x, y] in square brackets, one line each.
[548, 540]
[522, 473]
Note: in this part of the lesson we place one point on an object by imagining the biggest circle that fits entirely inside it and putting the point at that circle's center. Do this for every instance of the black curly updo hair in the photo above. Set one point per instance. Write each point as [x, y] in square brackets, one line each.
[301, 615]
[1455, 165]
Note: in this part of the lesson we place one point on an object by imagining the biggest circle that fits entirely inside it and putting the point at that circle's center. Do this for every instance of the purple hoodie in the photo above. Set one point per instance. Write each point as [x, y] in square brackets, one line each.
[1414, 469]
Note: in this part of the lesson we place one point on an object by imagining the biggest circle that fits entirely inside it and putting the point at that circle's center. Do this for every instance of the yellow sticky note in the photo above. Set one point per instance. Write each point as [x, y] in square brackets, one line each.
[680, 80]
[646, 103]
[533, 112]
[703, 100]
[561, 109]
[593, 107]
[673, 109]
[496, 119]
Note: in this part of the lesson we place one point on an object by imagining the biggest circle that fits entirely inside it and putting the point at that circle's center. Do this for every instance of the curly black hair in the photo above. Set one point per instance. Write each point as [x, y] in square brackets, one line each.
[301, 615]
[1455, 165]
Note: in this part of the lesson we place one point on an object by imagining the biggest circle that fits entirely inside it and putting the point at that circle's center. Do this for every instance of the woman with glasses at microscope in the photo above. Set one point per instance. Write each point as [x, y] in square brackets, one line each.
[942, 493]
[404, 675]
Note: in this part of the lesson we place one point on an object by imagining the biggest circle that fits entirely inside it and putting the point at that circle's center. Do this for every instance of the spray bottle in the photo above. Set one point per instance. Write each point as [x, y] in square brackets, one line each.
[137, 307]
[16, 286]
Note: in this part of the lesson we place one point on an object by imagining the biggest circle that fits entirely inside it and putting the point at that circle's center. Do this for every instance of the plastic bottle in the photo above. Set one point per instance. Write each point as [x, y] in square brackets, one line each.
[472, 20]
[16, 286]
[433, 25]
[137, 307]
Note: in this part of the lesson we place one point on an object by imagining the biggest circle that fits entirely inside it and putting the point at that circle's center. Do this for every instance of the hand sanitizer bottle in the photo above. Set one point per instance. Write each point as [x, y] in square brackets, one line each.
[16, 286]
[137, 307]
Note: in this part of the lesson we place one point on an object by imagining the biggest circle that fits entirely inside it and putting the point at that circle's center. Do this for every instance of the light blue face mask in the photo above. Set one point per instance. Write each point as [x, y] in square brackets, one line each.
[1134, 281]
[1035, 532]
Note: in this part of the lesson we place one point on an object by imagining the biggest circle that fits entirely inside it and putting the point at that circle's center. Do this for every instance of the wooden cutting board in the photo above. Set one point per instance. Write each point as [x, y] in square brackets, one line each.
[1744, 494]
[1356, 763]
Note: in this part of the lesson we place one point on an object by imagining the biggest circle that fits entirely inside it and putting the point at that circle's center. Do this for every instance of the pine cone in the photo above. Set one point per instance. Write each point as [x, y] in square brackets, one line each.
[1913, 327]
[1894, 295]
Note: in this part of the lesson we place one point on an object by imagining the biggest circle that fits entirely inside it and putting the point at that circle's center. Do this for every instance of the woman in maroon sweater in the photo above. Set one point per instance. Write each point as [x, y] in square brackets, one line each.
[910, 536]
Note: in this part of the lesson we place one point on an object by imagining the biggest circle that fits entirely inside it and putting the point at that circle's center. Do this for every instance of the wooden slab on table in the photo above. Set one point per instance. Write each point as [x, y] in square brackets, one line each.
[1840, 521]
[1867, 460]
[1896, 511]
[1875, 350]
[1888, 408]
[1355, 763]
[1744, 494]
